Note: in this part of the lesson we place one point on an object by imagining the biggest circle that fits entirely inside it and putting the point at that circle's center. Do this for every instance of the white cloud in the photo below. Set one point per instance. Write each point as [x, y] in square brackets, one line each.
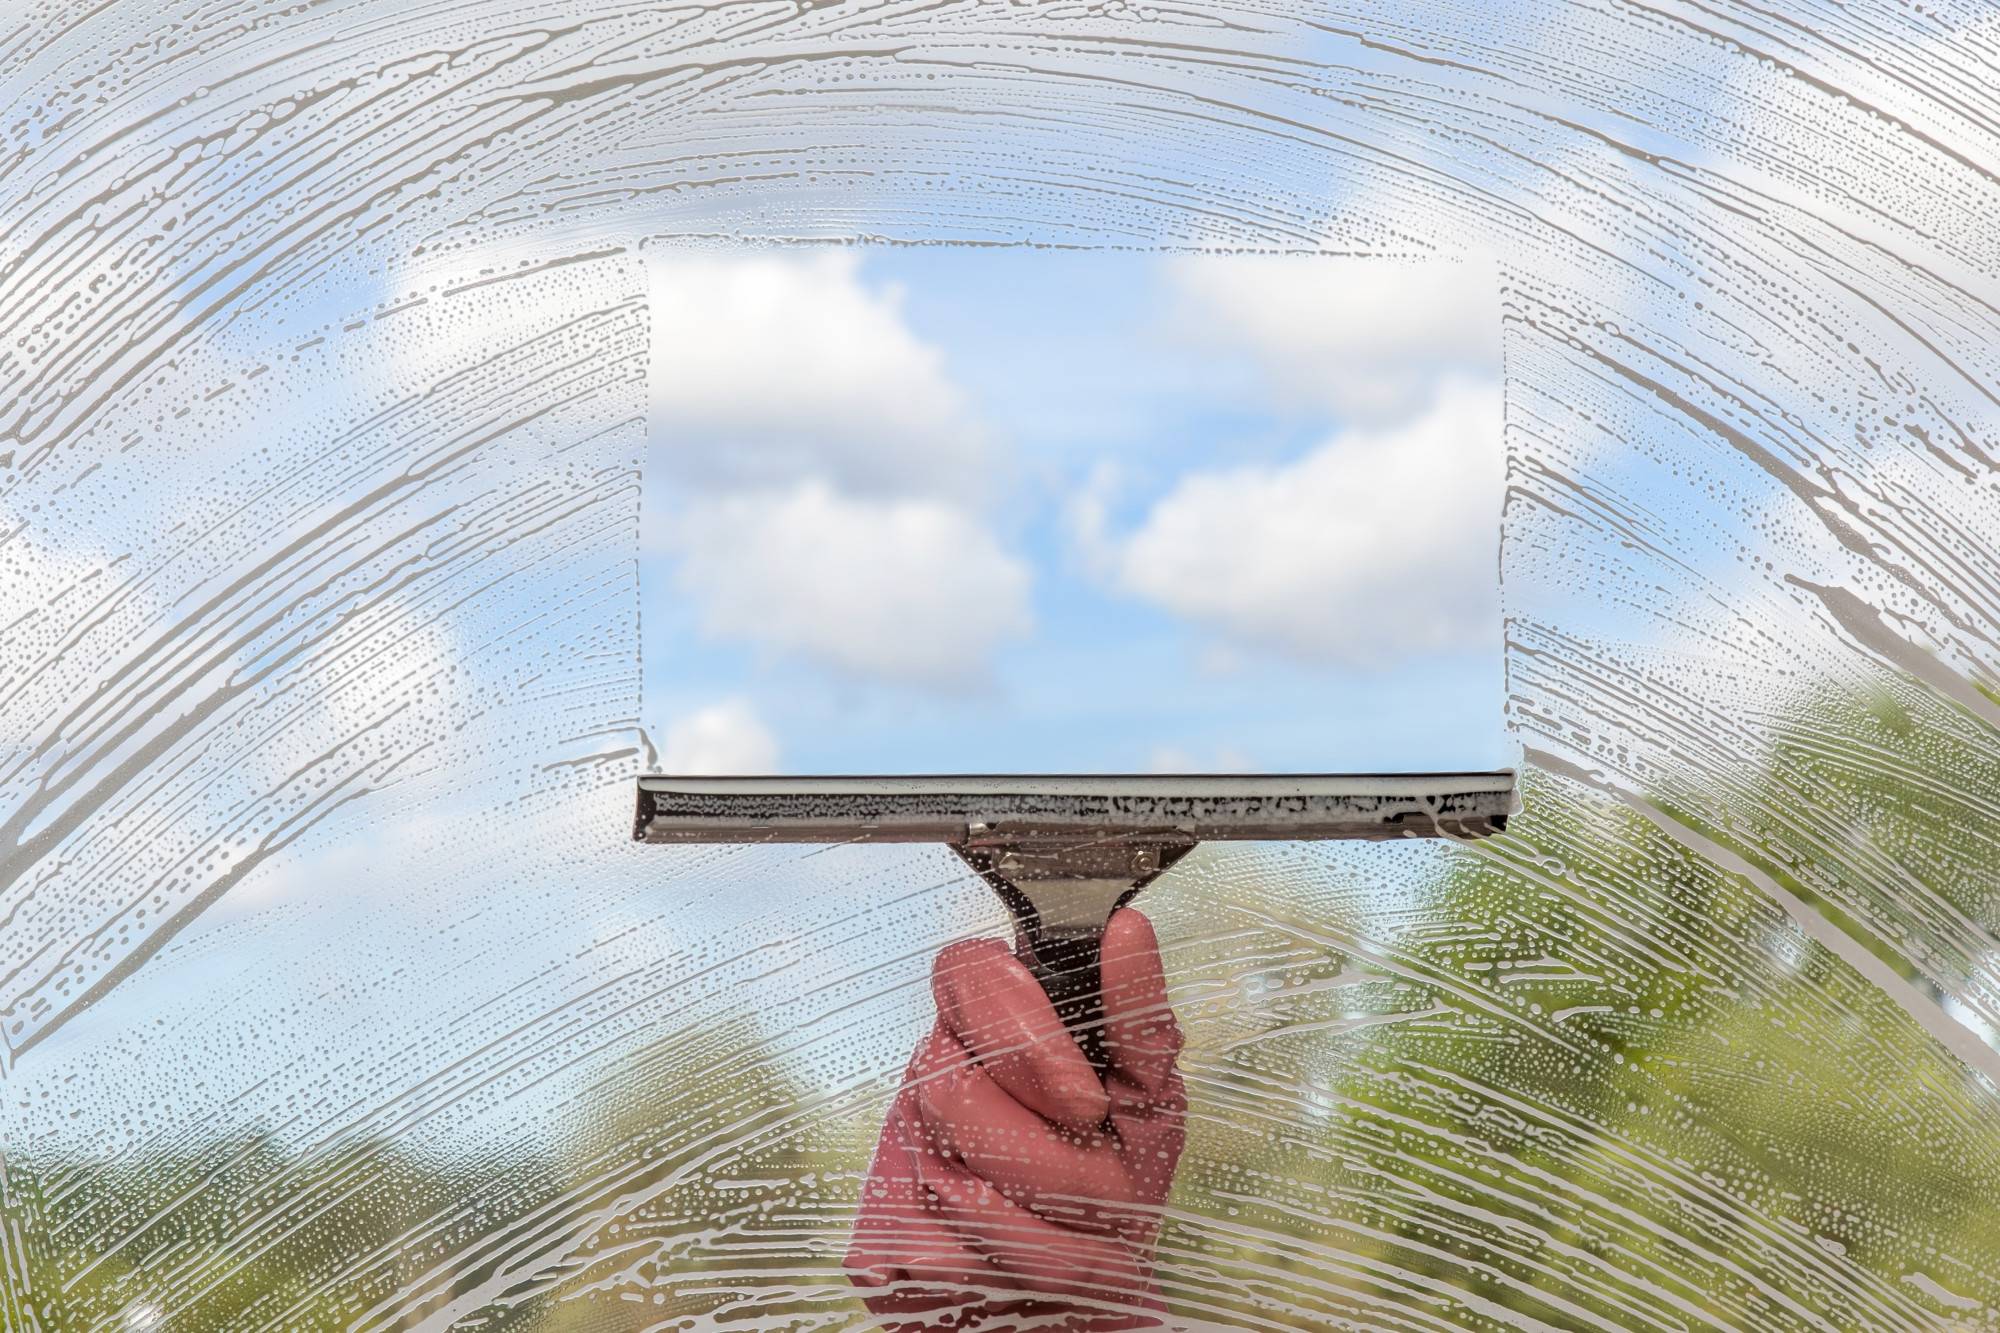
[726, 737]
[1370, 340]
[822, 466]
[769, 366]
[1380, 544]
[905, 590]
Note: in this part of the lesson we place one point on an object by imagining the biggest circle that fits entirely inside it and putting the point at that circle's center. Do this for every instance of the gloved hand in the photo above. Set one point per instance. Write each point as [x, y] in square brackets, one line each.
[1011, 1186]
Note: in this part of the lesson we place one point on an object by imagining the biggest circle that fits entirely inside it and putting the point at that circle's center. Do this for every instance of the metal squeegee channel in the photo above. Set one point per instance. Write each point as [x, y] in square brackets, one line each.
[956, 808]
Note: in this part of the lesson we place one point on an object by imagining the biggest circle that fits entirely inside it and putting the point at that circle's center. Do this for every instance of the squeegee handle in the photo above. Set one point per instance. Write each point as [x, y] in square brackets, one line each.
[1067, 964]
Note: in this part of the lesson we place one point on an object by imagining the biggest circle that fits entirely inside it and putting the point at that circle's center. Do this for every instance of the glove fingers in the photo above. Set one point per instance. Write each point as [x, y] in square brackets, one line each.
[1141, 1034]
[998, 1011]
[903, 1256]
[968, 1116]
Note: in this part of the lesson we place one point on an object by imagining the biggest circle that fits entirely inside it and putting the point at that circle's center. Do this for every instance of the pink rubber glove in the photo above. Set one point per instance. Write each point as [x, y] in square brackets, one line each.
[1011, 1185]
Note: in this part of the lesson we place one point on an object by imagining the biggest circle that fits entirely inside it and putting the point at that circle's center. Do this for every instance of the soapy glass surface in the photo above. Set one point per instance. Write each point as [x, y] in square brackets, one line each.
[333, 994]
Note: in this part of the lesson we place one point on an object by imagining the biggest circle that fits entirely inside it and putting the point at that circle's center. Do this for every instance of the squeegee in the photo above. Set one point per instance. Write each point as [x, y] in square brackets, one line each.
[1064, 852]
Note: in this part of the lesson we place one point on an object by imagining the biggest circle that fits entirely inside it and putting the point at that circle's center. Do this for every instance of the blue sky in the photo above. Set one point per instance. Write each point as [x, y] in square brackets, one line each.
[948, 509]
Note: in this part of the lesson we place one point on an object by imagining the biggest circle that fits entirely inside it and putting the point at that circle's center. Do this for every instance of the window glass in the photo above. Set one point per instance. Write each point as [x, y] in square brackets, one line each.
[334, 992]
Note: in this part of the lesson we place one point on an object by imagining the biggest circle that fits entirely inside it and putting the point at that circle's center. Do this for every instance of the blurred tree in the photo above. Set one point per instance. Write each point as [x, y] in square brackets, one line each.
[1599, 1080]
